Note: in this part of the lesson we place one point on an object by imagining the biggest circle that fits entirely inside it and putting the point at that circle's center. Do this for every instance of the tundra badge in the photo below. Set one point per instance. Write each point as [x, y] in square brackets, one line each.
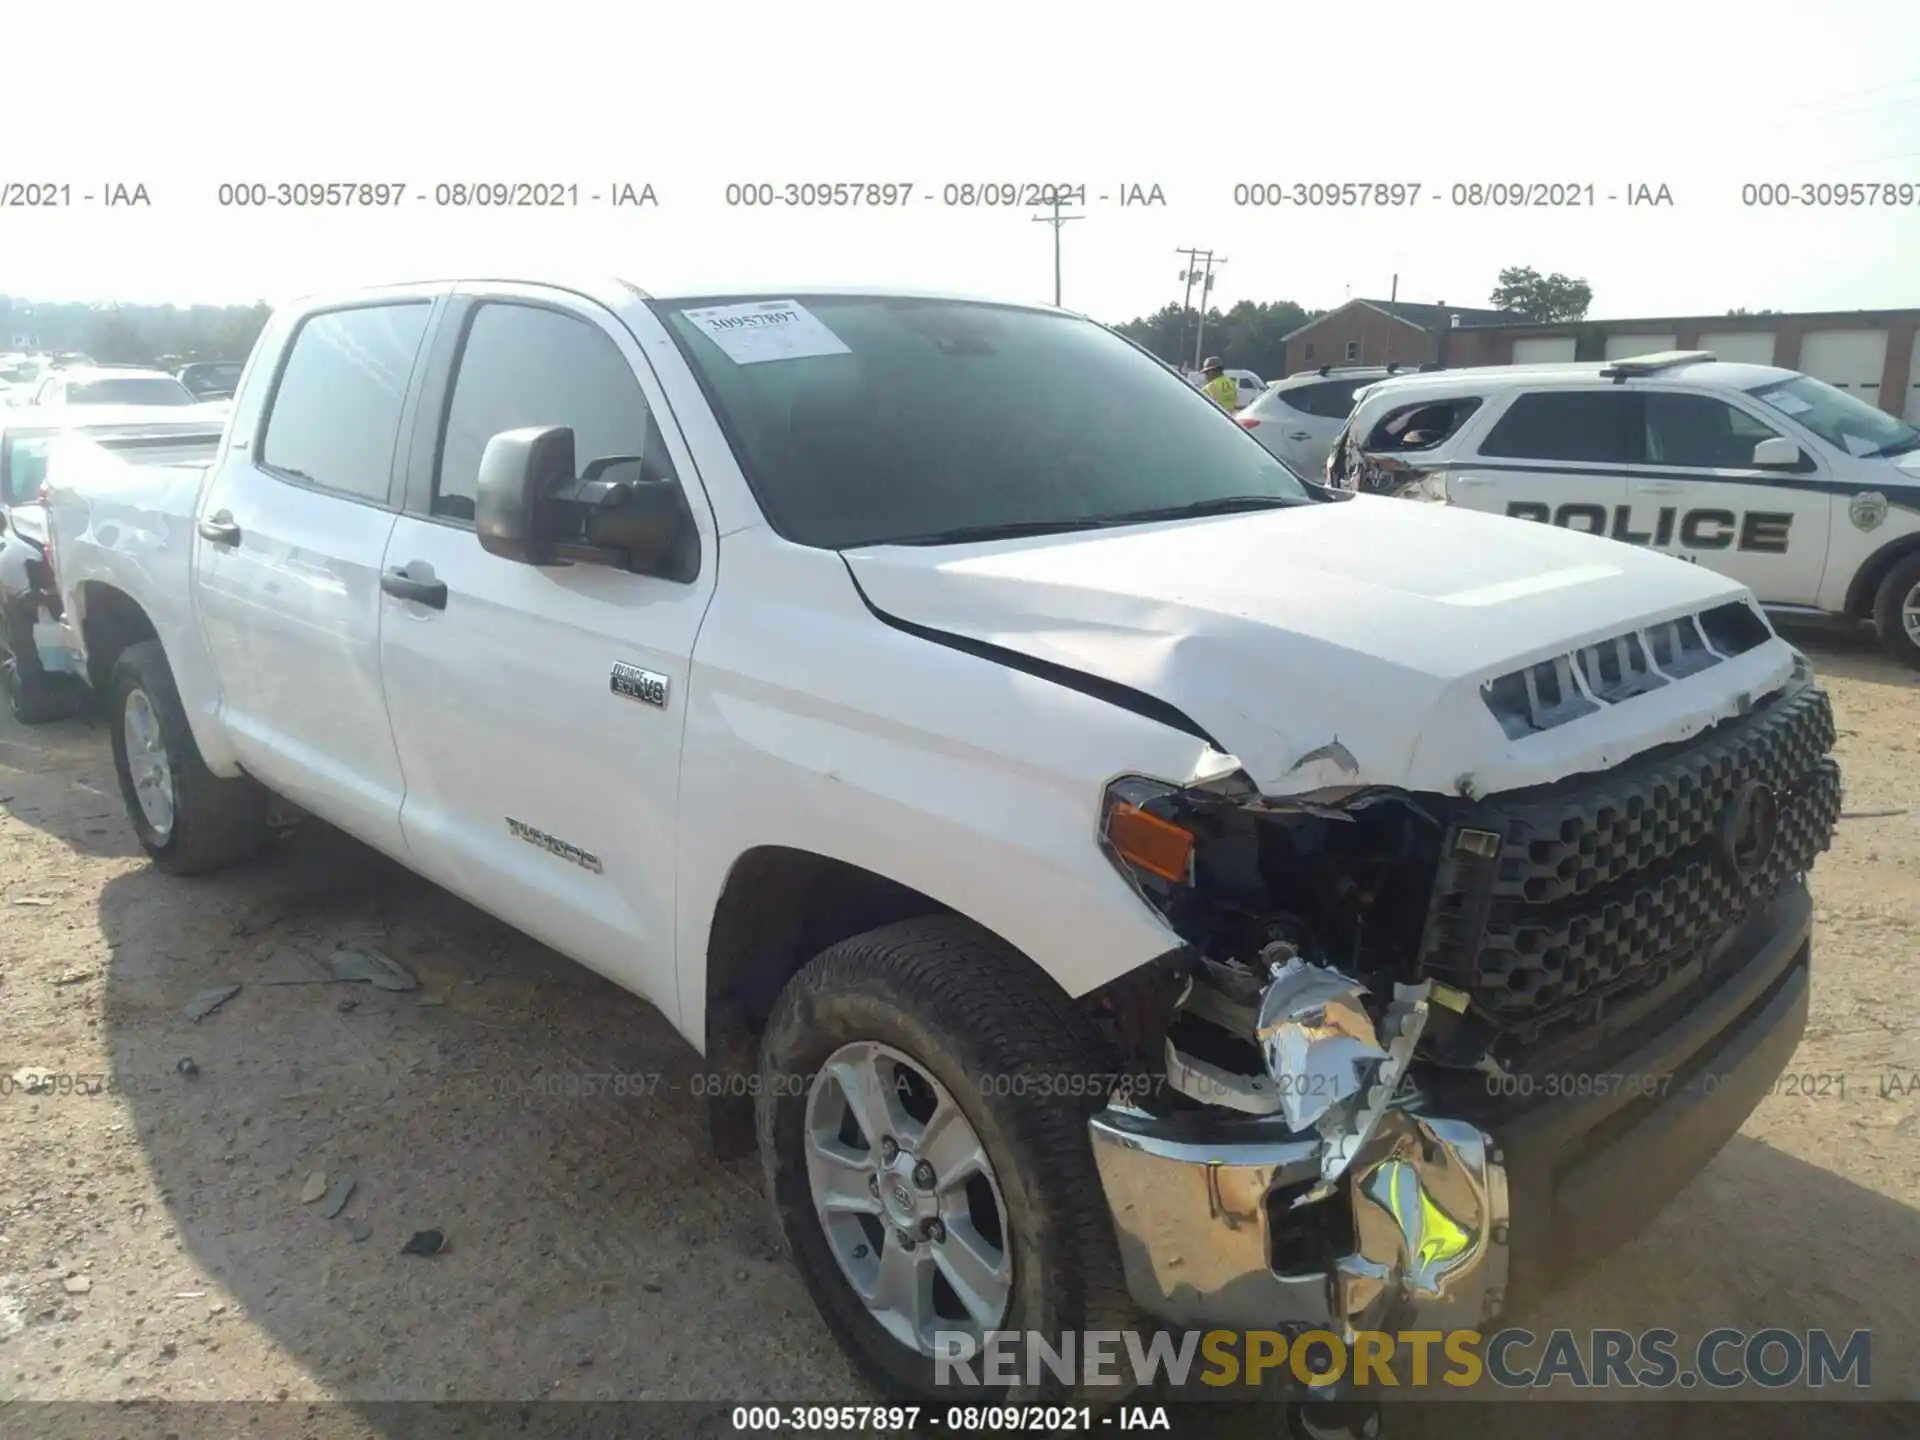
[637, 684]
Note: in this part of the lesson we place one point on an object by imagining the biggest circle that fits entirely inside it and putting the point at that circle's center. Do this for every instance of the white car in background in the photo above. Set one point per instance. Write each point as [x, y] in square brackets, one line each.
[1801, 492]
[111, 385]
[1299, 418]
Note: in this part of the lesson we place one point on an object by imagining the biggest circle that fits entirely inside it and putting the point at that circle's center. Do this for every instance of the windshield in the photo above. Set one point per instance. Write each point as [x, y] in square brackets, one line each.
[872, 419]
[130, 390]
[208, 379]
[1838, 418]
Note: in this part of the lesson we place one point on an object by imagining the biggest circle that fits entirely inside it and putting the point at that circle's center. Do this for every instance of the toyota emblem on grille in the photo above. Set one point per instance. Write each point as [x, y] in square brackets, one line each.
[1750, 829]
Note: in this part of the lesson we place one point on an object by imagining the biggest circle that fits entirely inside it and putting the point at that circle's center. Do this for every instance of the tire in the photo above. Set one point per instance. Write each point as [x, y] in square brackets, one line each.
[1897, 592]
[214, 822]
[967, 1009]
[36, 698]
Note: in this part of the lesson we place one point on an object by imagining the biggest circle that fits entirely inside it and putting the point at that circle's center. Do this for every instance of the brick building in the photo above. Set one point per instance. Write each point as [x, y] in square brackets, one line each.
[1869, 353]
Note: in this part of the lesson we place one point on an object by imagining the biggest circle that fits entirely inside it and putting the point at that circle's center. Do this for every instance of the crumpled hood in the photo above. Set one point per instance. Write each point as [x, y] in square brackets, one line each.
[1337, 644]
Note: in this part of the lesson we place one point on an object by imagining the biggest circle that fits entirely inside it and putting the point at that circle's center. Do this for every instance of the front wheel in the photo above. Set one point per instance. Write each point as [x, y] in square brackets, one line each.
[1896, 612]
[186, 818]
[922, 1119]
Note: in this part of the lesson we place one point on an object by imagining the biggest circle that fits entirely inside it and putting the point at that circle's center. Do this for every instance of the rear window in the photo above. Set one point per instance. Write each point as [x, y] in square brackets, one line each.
[1568, 425]
[866, 419]
[1329, 399]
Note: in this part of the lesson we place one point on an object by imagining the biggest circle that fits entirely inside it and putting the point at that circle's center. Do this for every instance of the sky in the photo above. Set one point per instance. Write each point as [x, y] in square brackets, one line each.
[1701, 97]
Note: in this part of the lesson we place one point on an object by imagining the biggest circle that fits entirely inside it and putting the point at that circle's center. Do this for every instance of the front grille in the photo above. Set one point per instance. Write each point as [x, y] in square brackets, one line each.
[1545, 901]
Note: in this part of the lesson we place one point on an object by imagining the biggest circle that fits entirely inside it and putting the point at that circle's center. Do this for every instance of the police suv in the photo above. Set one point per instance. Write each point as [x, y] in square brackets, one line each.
[1803, 493]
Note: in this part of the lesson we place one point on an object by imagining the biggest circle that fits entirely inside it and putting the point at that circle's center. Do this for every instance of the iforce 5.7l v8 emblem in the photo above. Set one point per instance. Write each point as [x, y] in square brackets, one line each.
[637, 684]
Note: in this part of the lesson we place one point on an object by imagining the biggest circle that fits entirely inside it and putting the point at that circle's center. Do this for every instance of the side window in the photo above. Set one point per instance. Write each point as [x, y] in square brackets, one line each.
[1330, 400]
[1571, 425]
[335, 412]
[522, 365]
[1701, 432]
[1422, 426]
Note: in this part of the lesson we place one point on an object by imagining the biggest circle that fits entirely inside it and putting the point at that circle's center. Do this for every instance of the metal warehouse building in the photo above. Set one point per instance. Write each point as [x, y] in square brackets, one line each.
[1869, 353]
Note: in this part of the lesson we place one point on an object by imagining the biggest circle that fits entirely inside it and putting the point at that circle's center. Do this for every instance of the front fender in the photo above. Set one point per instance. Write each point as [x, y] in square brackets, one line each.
[814, 726]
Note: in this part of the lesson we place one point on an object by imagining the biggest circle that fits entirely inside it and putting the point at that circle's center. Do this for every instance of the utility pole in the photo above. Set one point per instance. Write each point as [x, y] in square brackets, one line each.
[1200, 265]
[1056, 220]
[1206, 289]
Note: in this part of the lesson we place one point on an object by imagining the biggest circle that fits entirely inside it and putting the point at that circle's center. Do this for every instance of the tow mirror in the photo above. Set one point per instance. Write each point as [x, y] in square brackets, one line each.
[530, 506]
[1776, 453]
[520, 473]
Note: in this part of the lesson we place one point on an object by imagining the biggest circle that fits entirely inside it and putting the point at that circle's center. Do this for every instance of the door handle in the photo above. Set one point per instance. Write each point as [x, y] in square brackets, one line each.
[1657, 487]
[220, 529]
[402, 586]
[1300, 435]
[1471, 482]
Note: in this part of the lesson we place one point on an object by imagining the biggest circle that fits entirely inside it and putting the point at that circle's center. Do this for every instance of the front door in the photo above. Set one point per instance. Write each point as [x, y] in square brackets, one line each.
[539, 710]
[1699, 496]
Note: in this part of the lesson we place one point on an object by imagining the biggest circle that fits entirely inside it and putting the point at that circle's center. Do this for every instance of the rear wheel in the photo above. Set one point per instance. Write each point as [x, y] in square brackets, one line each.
[187, 818]
[35, 697]
[1896, 612]
[922, 1116]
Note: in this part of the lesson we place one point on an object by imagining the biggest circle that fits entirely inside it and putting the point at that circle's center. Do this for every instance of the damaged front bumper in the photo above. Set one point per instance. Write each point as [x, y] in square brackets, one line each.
[1365, 1210]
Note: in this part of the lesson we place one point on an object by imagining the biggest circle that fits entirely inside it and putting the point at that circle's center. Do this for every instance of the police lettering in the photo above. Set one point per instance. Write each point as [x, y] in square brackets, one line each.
[1759, 532]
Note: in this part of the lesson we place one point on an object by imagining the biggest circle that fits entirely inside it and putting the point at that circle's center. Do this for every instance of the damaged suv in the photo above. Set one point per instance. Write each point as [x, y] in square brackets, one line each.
[1108, 877]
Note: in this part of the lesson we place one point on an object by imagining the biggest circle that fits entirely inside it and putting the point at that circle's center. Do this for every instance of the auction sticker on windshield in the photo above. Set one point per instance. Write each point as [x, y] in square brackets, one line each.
[767, 330]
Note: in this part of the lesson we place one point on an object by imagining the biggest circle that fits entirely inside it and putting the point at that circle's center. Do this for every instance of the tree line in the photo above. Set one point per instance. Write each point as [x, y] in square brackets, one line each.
[1252, 335]
[121, 334]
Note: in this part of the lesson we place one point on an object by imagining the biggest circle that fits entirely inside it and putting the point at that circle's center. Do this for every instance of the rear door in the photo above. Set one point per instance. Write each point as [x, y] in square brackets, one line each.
[1698, 495]
[1556, 455]
[539, 710]
[1299, 424]
[287, 565]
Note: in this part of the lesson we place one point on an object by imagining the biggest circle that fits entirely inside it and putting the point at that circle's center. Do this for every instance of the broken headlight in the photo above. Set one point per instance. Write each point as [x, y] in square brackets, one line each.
[1144, 840]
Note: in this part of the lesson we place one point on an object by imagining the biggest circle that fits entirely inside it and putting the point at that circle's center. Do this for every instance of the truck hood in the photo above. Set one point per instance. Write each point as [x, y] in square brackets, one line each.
[1341, 644]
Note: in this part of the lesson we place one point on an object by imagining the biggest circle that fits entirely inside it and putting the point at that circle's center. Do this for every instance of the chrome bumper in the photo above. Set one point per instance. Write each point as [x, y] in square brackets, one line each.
[1417, 1224]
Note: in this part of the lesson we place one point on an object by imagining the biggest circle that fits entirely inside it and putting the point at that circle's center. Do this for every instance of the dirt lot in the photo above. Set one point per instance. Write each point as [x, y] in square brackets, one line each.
[154, 1241]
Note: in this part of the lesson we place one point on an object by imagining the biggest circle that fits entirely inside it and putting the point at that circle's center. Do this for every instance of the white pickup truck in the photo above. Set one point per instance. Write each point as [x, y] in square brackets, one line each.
[1132, 884]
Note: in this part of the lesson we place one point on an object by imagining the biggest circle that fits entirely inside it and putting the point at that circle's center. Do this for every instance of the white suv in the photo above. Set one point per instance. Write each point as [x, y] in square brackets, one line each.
[1300, 417]
[1806, 495]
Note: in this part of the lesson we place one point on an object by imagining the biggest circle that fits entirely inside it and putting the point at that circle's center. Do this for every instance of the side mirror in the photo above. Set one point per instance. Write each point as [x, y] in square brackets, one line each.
[520, 473]
[531, 507]
[1776, 453]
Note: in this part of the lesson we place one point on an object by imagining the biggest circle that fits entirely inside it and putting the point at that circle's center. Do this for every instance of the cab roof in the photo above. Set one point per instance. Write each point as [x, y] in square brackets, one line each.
[598, 285]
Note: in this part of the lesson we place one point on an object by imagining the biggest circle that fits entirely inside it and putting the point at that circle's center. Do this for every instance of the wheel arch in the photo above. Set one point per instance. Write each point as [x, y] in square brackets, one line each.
[779, 907]
[109, 619]
[1867, 579]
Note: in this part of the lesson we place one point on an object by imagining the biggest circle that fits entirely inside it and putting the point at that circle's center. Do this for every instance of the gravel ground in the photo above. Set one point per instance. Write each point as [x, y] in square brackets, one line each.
[159, 1239]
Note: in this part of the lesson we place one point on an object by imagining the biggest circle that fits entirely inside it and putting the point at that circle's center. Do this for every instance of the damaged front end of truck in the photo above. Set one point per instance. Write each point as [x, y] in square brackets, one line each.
[1358, 1100]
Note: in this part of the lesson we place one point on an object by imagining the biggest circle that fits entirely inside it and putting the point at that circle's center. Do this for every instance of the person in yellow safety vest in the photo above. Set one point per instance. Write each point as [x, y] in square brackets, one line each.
[1218, 386]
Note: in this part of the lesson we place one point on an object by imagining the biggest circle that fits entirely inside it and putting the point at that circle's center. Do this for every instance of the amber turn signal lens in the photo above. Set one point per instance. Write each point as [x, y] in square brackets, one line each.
[1157, 846]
